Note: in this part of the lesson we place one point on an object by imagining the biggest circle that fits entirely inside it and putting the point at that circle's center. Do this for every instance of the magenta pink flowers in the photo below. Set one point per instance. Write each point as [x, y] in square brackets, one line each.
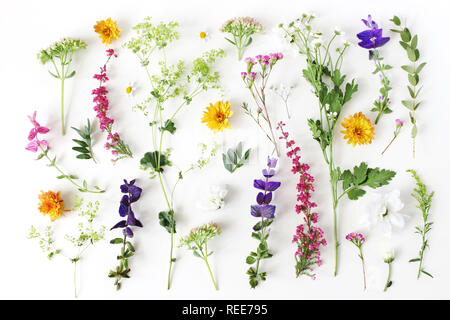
[261, 116]
[35, 143]
[115, 143]
[358, 239]
[308, 237]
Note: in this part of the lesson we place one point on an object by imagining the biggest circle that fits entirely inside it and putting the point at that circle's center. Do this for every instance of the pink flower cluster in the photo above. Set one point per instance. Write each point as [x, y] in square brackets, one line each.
[308, 237]
[263, 60]
[35, 143]
[356, 238]
[101, 107]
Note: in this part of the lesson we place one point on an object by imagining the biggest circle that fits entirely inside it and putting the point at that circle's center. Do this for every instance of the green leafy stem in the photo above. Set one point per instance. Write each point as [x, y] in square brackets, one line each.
[122, 270]
[83, 187]
[262, 252]
[424, 200]
[409, 43]
[84, 146]
[234, 158]
[381, 105]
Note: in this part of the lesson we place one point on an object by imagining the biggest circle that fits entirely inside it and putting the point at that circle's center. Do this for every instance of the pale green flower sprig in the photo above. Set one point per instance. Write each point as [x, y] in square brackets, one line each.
[46, 240]
[60, 55]
[150, 37]
[423, 198]
[197, 241]
[241, 29]
[88, 234]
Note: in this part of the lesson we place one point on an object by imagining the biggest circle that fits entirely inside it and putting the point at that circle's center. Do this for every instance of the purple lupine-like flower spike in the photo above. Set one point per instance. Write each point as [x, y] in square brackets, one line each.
[263, 208]
[133, 194]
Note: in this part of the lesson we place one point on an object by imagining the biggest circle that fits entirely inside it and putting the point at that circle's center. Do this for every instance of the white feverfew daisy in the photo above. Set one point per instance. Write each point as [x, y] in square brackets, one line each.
[130, 89]
[204, 35]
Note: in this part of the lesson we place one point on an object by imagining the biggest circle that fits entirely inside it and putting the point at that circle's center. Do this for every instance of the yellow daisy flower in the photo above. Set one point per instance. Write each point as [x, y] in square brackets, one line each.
[107, 30]
[216, 116]
[358, 129]
[51, 204]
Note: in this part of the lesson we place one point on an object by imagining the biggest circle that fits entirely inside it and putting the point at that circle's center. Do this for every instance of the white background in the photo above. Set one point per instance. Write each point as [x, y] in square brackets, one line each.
[28, 26]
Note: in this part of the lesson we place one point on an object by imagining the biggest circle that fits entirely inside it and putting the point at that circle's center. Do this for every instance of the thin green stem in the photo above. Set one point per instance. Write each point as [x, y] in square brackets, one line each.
[210, 272]
[388, 281]
[62, 107]
[363, 266]
[52, 164]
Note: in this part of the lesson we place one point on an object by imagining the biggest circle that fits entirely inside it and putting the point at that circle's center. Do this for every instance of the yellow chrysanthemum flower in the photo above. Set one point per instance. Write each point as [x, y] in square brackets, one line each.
[358, 129]
[51, 204]
[107, 29]
[216, 116]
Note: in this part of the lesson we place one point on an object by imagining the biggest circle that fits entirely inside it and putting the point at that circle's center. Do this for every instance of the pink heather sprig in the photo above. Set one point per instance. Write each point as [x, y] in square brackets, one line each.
[308, 237]
[114, 143]
[36, 144]
[358, 239]
[249, 77]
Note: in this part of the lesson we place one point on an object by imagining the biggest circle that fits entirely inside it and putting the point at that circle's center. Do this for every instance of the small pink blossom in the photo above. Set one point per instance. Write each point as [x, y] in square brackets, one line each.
[35, 143]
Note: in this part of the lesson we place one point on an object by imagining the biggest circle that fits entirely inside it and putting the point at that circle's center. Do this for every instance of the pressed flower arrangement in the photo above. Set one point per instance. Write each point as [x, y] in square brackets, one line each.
[173, 85]
[323, 72]
[60, 55]
[172, 89]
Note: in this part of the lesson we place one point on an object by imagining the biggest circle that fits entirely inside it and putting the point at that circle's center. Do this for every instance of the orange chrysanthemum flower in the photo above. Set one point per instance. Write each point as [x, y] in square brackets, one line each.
[358, 129]
[216, 116]
[51, 204]
[107, 29]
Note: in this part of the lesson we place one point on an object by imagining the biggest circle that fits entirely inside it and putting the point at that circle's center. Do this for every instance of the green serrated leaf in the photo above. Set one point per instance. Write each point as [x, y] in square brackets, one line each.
[355, 194]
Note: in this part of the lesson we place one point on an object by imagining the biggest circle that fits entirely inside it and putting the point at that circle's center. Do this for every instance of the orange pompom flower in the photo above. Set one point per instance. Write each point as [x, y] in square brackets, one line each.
[51, 204]
[107, 29]
[358, 129]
